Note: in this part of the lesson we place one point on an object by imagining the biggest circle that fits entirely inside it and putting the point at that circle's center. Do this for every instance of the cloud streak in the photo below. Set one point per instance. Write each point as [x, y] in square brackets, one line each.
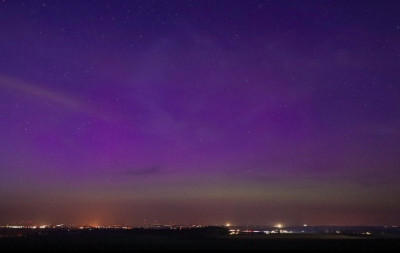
[34, 91]
[142, 172]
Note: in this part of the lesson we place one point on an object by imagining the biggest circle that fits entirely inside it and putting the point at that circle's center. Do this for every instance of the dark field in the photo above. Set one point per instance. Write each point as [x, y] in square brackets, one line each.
[122, 240]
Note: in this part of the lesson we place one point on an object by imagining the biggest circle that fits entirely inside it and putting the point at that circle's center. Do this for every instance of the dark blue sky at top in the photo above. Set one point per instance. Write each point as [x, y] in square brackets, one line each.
[212, 111]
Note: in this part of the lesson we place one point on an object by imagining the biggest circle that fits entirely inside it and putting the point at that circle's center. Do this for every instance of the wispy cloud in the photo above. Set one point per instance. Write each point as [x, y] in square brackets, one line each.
[143, 171]
[57, 98]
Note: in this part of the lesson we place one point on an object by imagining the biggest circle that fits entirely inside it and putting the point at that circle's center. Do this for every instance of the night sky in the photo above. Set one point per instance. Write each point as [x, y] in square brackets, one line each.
[206, 112]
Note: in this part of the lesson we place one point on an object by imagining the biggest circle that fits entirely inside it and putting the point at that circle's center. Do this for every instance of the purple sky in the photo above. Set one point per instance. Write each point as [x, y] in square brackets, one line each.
[200, 112]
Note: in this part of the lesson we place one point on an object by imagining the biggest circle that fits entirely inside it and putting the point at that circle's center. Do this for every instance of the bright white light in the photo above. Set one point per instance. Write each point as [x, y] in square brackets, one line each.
[305, 225]
[278, 226]
[228, 224]
[15, 226]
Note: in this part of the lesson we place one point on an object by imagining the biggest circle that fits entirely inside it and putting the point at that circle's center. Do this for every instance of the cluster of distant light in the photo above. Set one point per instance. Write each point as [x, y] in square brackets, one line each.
[279, 225]
[281, 229]
[49, 226]
[33, 227]
[233, 230]
[277, 230]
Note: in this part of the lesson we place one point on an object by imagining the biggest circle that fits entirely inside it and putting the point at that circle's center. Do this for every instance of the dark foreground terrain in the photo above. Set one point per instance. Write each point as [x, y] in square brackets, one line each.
[200, 239]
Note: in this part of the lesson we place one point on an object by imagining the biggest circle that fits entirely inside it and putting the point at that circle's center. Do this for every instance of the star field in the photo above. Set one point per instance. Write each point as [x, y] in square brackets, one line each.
[211, 111]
